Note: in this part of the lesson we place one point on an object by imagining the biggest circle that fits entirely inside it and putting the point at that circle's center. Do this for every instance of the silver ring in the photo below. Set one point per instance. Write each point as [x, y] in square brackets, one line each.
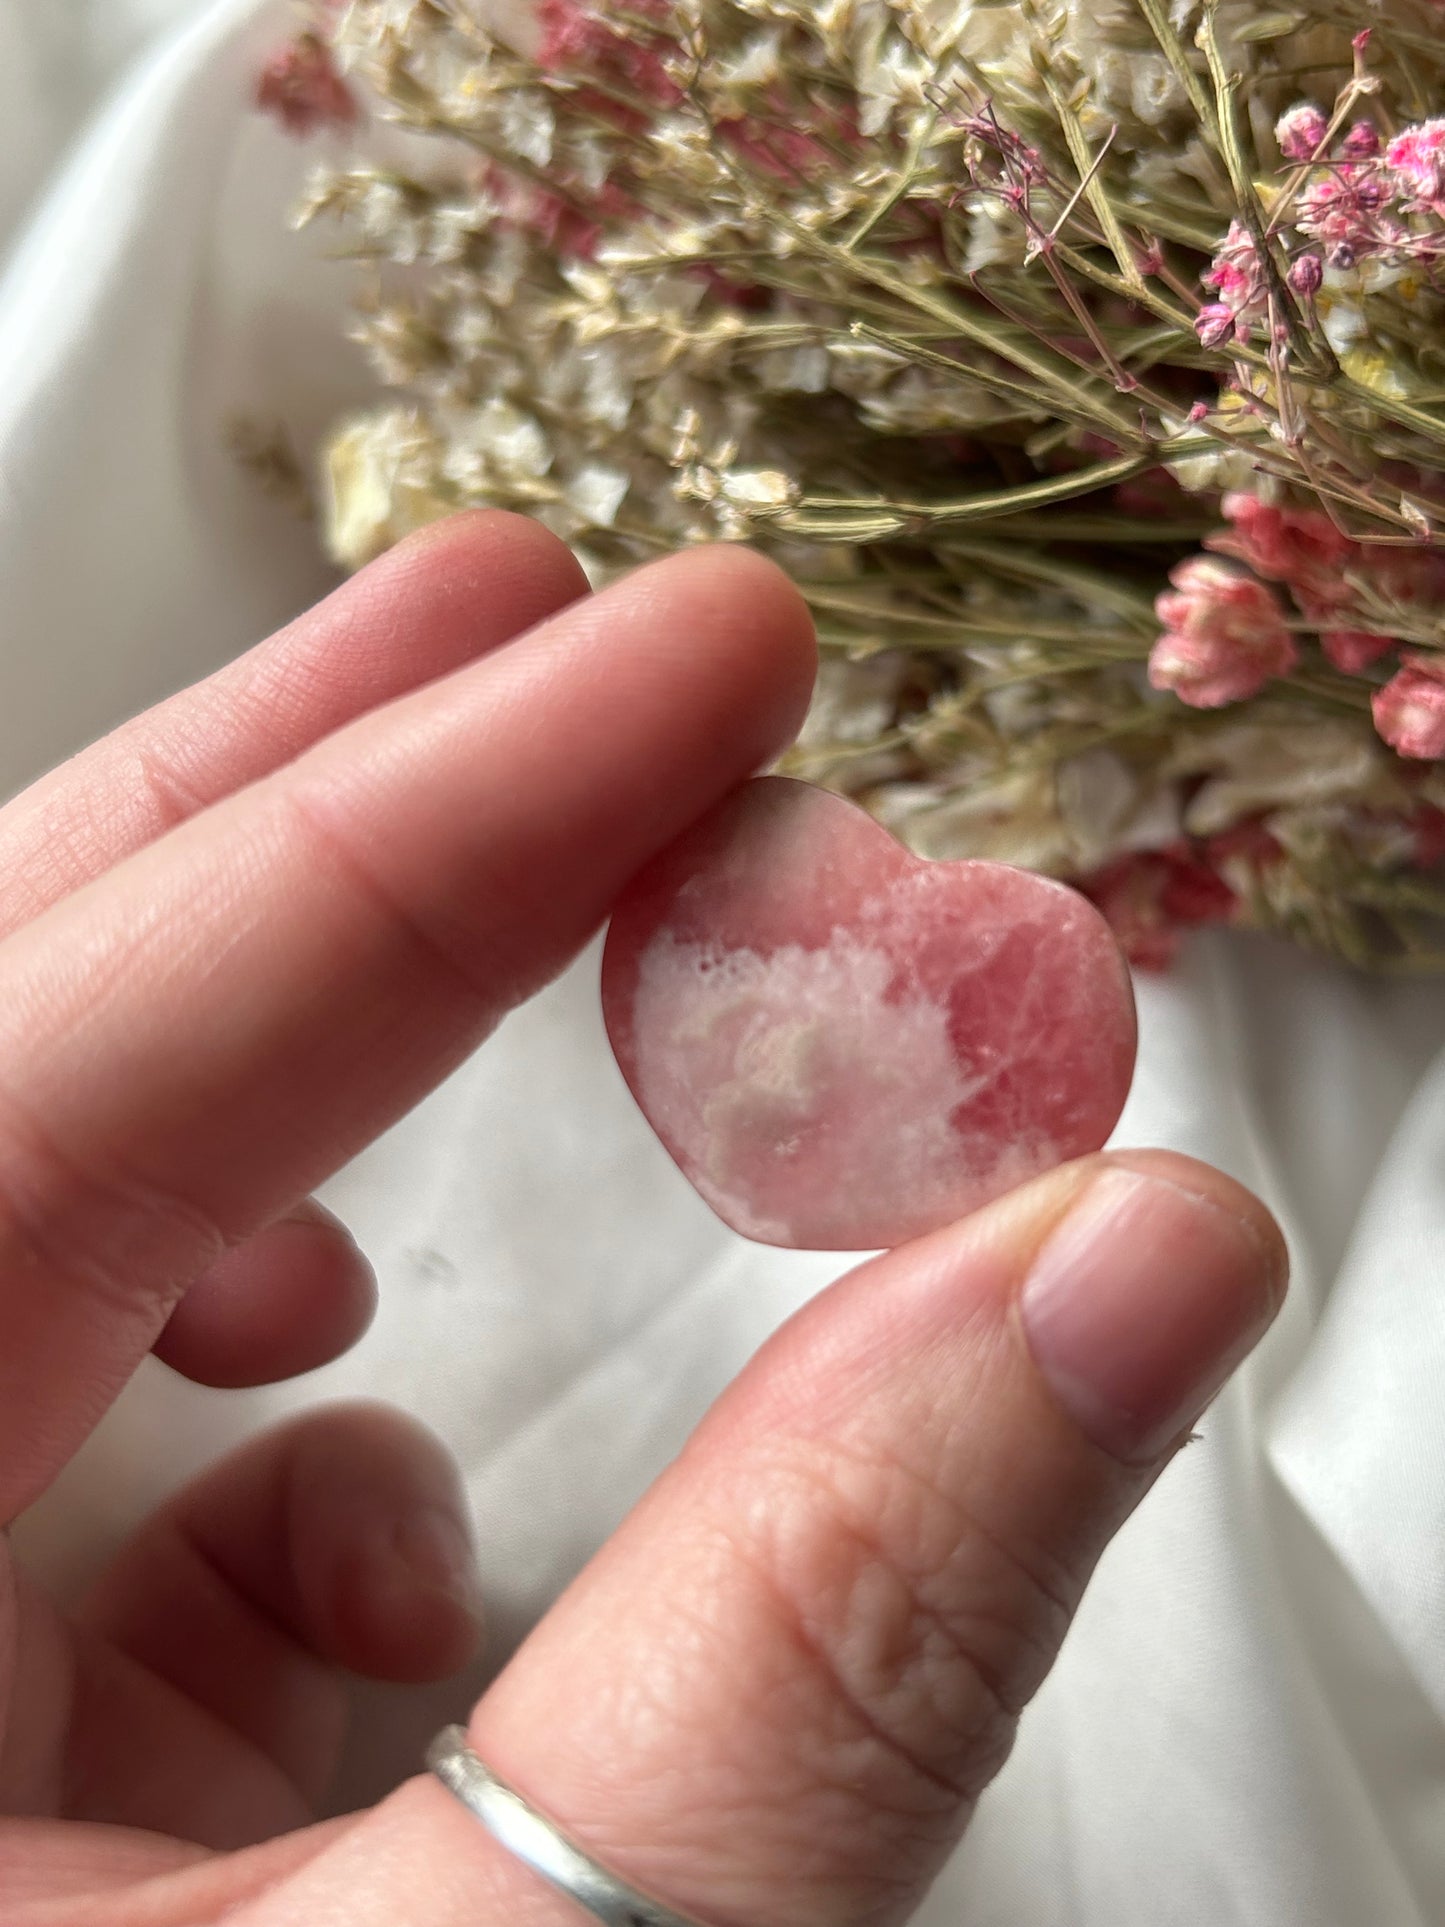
[540, 1843]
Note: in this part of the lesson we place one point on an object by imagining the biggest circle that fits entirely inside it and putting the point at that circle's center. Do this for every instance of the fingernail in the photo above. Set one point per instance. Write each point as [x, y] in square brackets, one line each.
[1140, 1304]
[434, 1551]
[313, 1216]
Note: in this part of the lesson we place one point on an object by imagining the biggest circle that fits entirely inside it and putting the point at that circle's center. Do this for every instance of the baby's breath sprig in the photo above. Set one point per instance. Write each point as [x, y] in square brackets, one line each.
[1082, 362]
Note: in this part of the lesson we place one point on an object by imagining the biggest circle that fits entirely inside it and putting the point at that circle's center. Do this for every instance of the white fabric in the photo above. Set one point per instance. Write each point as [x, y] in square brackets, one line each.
[1247, 1728]
[56, 57]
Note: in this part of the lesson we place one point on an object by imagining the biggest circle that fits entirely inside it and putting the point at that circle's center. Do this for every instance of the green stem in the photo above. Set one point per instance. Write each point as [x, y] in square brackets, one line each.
[960, 632]
[902, 181]
[1054, 372]
[1030, 567]
[1088, 166]
[813, 515]
[1156, 12]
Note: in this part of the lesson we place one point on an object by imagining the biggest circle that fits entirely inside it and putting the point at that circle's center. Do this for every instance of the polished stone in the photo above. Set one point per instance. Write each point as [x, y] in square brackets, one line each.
[844, 1046]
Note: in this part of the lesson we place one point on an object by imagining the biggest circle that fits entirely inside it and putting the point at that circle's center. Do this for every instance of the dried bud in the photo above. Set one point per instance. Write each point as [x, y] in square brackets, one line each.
[1301, 132]
[1301, 547]
[1306, 274]
[1224, 635]
[1416, 157]
[1410, 710]
[1150, 896]
[1362, 143]
[1214, 324]
[302, 88]
[1352, 651]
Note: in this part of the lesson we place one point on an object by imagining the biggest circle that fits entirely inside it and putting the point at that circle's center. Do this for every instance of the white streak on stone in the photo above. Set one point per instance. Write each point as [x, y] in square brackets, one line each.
[799, 1093]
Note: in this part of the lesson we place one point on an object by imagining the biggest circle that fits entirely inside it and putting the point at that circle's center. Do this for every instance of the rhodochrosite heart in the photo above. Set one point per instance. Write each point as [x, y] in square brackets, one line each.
[843, 1045]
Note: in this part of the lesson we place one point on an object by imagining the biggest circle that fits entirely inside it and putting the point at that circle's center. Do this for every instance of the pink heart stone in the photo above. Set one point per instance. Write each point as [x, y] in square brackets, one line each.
[844, 1046]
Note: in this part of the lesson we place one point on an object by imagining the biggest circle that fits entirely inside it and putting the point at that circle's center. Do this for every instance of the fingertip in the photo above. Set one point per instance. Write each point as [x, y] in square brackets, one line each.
[771, 631]
[764, 590]
[711, 652]
[503, 572]
[476, 546]
[384, 1553]
[410, 1608]
[1145, 1295]
[292, 1299]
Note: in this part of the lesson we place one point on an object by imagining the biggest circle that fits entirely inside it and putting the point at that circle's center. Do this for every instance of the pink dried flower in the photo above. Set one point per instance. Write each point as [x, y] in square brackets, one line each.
[1150, 897]
[1411, 578]
[786, 153]
[1362, 142]
[1399, 578]
[1224, 635]
[578, 36]
[1126, 892]
[1353, 651]
[1214, 324]
[1249, 844]
[1306, 275]
[555, 219]
[1417, 158]
[302, 88]
[1301, 131]
[1236, 276]
[749, 298]
[1352, 213]
[1192, 891]
[1299, 547]
[1410, 709]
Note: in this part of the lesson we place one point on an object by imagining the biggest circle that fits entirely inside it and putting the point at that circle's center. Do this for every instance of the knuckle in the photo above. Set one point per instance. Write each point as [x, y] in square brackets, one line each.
[926, 1631]
[170, 799]
[323, 832]
[105, 1235]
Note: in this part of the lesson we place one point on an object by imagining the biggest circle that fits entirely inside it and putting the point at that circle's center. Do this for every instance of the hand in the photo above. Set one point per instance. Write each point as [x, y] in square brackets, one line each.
[240, 938]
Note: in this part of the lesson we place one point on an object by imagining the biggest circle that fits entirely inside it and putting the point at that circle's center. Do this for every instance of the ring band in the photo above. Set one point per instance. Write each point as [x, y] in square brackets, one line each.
[540, 1843]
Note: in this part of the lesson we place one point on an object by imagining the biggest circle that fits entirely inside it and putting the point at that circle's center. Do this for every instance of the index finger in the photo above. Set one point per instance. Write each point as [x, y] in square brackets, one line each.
[194, 1040]
[444, 596]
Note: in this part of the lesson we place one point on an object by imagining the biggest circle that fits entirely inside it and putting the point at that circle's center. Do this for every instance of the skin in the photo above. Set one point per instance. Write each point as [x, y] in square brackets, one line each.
[332, 869]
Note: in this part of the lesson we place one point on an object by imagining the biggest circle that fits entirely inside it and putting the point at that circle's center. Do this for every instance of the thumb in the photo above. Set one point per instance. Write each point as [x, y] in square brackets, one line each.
[777, 1692]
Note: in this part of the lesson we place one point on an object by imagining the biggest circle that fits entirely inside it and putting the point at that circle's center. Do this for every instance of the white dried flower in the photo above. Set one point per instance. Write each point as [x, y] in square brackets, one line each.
[758, 491]
[1262, 766]
[1012, 818]
[902, 291]
[597, 492]
[380, 485]
[528, 126]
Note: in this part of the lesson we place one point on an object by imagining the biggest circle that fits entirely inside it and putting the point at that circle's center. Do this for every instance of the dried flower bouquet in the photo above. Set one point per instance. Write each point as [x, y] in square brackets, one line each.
[1083, 360]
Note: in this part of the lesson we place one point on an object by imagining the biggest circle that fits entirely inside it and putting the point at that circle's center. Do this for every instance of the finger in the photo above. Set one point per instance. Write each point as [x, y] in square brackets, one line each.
[193, 1041]
[51, 1863]
[58, 1873]
[288, 1301]
[338, 1541]
[777, 1692]
[448, 594]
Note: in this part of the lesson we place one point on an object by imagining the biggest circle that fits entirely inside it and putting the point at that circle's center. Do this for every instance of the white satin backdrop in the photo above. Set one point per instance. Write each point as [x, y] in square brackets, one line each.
[1247, 1727]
